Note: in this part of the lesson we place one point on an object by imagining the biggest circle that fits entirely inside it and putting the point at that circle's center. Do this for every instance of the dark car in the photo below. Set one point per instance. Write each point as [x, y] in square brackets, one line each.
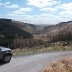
[5, 54]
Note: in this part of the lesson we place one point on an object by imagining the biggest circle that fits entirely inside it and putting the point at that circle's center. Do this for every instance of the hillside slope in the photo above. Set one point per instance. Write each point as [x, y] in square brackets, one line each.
[9, 30]
[52, 28]
[31, 28]
[60, 32]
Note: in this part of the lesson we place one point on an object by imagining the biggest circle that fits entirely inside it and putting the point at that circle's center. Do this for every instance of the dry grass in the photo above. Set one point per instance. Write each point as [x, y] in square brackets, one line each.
[64, 65]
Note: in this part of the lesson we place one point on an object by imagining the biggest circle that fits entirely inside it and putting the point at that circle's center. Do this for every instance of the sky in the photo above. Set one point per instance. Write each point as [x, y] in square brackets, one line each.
[37, 11]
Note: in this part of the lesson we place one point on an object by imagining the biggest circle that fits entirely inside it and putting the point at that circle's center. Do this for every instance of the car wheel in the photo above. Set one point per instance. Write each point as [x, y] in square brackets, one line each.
[7, 58]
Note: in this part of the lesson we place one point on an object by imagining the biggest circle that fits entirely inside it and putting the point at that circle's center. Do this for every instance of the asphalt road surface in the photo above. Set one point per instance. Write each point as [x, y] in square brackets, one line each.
[33, 63]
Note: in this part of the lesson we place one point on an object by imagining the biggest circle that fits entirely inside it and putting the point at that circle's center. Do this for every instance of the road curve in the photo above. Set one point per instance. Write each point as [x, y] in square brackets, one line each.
[33, 63]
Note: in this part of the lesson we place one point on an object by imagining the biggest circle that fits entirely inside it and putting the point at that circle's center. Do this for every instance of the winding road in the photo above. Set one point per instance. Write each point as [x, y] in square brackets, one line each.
[33, 63]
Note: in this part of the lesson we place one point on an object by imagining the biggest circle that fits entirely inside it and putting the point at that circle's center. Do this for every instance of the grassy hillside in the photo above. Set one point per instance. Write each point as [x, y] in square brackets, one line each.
[62, 32]
[31, 28]
[51, 28]
[58, 32]
[9, 31]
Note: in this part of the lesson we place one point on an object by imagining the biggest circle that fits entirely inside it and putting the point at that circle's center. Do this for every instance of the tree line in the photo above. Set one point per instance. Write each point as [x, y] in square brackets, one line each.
[64, 34]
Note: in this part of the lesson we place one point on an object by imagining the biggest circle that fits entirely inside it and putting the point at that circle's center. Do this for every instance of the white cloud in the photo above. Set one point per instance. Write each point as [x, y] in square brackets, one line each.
[9, 5]
[12, 6]
[1, 4]
[20, 11]
[5, 4]
[41, 3]
[50, 13]
[66, 12]
[43, 18]
[66, 6]
[49, 9]
[66, 9]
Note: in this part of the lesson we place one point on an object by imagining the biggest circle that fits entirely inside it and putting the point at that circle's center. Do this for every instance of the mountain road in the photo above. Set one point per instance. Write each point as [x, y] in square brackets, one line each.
[33, 63]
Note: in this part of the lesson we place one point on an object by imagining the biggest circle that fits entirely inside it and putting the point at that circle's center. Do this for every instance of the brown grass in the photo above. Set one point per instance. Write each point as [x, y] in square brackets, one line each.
[64, 65]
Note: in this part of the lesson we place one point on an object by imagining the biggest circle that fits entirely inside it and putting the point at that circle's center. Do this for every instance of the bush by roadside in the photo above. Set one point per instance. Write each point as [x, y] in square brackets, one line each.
[21, 51]
[64, 65]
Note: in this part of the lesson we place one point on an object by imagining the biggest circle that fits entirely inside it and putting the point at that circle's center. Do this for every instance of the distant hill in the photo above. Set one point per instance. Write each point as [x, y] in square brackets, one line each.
[31, 28]
[9, 30]
[56, 27]
[59, 32]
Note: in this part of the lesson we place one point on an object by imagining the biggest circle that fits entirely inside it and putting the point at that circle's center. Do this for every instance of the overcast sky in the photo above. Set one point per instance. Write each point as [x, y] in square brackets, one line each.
[37, 11]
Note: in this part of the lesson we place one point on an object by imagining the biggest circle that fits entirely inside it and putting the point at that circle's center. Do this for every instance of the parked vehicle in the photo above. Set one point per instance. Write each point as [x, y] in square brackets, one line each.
[5, 54]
